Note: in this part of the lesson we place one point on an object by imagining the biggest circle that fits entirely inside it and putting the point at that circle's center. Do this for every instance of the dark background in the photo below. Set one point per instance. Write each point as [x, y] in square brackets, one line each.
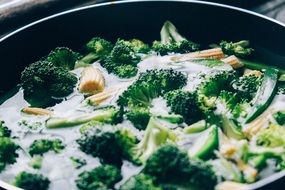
[15, 15]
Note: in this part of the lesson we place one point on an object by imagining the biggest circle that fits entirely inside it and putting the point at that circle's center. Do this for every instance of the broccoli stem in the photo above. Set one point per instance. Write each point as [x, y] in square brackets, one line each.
[170, 34]
[264, 95]
[100, 116]
[195, 127]
[86, 60]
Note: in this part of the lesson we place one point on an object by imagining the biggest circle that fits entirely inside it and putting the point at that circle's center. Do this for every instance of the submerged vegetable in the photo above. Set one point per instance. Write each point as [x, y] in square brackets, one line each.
[129, 116]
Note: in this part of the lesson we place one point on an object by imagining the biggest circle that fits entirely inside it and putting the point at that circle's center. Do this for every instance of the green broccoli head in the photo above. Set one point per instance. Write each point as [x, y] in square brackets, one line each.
[151, 84]
[273, 136]
[140, 182]
[4, 131]
[63, 57]
[30, 181]
[280, 117]
[156, 135]
[183, 46]
[110, 145]
[124, 54]
[99, 47]
[184, 103]
[103, 178]
[239, 49]
[8, 152]
[172, 41]
[139, 116]
[169, 165]
[41, 146]
[137, 46]
[45, 84]
[246, 86]
[126, 71]
[122, 60]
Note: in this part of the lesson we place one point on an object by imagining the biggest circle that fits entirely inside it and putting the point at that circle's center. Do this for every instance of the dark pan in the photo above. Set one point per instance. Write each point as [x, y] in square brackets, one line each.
[203, 22]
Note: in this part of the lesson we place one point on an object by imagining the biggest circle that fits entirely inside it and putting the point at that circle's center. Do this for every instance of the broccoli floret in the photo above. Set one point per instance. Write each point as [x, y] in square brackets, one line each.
[239, 49]
[103, 177]
[63, 57]
[150, 85]
[122, 60]
[156, 135]
[246, 86]
[172, 41]
[235, 104]
[137, 45]
[169, 165]
[139, 116]
[98, 49]
[78, 162]
[36, 162]
[110, 145]
[125, 71]
[30, 181]
[184, 103]
[140, 182]
[41, 146]
[273, 136]
[110, 115]
[8, 152]
[280, 117]
[4, 131]
[45, 84]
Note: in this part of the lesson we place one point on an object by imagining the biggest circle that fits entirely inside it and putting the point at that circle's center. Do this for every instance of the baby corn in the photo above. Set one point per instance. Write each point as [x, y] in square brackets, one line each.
[233, 61]
[216, 53]
[102, 96]
[92, 81]
[36, 111]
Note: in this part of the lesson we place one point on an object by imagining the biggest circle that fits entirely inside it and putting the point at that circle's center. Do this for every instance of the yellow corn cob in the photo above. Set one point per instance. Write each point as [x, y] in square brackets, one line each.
[102, 96]
[216, 53]
[233, 61]
[252, 72]
[36, 111]
[92, 81]
[230, 185]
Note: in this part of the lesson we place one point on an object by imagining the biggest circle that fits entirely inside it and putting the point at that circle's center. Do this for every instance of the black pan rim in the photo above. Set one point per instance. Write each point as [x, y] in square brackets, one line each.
[255, 185]
[136, 1]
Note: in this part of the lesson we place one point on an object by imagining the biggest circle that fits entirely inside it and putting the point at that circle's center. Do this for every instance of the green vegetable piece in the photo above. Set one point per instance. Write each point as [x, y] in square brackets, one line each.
[102, 178]
[8, 152]
[30, 181]
[195, 127]
[264, 95]
[63, 57]
[140, 182]
[230, 129]
[239, 49]
[36, 162]
[280, 117]
[107, 115]
[78, 162]
[206, 143]
[41, 146]
[4, 131]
